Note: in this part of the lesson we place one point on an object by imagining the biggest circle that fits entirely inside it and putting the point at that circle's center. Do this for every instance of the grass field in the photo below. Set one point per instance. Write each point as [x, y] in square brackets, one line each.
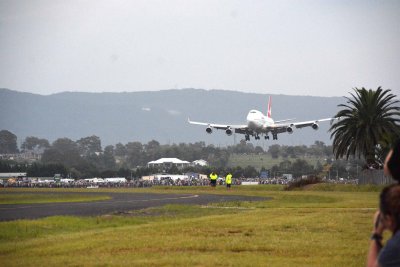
[264, 160]
[25, 198]
[321, 226]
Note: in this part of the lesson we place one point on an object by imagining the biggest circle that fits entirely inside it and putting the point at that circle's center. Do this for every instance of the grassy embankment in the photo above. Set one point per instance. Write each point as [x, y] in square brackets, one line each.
[323, 226]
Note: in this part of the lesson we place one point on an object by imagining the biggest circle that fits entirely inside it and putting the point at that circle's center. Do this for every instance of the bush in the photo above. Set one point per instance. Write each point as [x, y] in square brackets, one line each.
[298, 183]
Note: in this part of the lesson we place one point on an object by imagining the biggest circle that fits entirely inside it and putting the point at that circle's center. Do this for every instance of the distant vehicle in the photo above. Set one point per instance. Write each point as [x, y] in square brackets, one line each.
[288, 176]
[66, 181]
[115, 180]
[95, 180]
[260, 124]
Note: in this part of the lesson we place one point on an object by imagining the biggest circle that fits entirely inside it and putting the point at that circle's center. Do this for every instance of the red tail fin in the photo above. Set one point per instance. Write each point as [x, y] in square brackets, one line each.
[269, 108]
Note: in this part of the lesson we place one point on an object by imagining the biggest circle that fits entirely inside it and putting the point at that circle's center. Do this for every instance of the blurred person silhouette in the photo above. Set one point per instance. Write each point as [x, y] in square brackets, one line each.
[392, 162]
[387, 217]
[213, 179]
[228, 180]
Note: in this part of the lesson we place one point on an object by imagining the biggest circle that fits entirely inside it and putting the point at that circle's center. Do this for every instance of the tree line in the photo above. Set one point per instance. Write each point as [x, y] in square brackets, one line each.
[87, 158]
[367, 126]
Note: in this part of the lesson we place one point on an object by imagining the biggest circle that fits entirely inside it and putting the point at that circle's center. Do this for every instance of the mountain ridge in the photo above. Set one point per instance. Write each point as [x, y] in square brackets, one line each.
[159, 115]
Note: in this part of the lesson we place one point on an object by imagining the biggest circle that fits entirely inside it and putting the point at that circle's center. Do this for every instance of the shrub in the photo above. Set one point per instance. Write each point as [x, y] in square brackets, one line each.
[298, 183]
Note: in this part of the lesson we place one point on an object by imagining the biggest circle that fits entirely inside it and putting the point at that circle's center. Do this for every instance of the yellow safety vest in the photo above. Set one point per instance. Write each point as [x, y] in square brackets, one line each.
[213, 176]
[228, 179]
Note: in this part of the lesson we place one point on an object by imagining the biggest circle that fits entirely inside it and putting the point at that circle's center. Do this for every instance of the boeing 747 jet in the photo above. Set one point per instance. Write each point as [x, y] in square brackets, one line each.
[260, 124]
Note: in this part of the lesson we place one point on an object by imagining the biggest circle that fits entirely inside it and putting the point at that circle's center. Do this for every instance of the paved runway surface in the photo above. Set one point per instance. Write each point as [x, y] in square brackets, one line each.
[119, 202]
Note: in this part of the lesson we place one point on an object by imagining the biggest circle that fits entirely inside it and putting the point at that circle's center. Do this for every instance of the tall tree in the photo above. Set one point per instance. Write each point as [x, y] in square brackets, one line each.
[274, 150]
[63, 151]
[88, 146]
[152, 150]
[34, 143]
[108, 158]
[363, 123]
[8, 142]
[135, 154]
[120, 150]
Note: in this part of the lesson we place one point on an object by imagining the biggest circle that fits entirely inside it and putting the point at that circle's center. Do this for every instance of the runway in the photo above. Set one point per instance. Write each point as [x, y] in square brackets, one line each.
[119, 202]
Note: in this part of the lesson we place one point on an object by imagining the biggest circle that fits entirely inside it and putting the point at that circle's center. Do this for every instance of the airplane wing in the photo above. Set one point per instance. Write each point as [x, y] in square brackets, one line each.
[311, 123]
[284, 120]
[288, 127]
[220, 126]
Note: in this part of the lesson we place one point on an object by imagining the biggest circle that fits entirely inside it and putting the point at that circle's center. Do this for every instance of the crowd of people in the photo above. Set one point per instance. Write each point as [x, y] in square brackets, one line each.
[164, 181]
[82, 183]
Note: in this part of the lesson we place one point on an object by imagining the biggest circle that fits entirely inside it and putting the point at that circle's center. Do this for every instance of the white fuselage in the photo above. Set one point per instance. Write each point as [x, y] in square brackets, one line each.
[257, 121]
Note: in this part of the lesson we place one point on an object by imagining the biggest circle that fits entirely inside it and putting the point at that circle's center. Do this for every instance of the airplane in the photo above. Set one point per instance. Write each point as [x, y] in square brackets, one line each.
[260, 124]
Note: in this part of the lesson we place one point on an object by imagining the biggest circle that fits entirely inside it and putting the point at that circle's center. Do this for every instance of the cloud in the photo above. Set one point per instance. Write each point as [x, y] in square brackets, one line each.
[173, 112]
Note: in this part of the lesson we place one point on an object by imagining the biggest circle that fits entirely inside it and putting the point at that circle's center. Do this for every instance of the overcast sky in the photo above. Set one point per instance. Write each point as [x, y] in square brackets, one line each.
[321, 48]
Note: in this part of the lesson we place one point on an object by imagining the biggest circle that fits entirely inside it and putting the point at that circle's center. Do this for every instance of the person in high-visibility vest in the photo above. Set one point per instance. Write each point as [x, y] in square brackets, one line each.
[213, 179]
[228, 180]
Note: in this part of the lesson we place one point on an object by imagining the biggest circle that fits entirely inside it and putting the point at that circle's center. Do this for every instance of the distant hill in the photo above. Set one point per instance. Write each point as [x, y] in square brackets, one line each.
[161, 115]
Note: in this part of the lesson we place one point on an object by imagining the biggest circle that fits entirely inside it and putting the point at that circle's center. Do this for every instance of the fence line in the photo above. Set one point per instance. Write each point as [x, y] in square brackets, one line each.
[374, 177]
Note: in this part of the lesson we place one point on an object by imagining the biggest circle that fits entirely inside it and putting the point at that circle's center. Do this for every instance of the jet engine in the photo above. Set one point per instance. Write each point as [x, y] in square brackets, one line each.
[209, 130]
[315, 126]
[289, 129]
[228, 131]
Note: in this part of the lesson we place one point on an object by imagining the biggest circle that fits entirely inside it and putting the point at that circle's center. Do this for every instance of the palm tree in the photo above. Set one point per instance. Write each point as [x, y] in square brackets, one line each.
[368, 120]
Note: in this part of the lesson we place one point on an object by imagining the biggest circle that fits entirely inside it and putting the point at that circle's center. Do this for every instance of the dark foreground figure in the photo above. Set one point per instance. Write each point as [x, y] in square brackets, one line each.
[387, 217]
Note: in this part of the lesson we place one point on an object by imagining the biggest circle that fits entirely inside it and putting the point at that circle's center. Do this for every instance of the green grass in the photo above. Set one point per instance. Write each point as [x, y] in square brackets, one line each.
[328, 227]
[29, 198]
[264, 160]
[345, 187]
[27, 229]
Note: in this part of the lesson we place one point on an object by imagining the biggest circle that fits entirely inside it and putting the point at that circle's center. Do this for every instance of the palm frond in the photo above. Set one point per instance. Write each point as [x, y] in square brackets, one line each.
[366, 119]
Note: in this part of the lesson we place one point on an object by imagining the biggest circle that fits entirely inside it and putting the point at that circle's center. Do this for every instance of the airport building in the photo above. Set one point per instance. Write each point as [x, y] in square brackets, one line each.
[29, 156]
[7, 175]
[11, 177]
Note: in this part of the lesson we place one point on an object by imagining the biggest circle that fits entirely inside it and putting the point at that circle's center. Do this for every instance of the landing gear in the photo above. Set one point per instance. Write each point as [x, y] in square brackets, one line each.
[256, 136]
[274, 136]
[266, 137]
